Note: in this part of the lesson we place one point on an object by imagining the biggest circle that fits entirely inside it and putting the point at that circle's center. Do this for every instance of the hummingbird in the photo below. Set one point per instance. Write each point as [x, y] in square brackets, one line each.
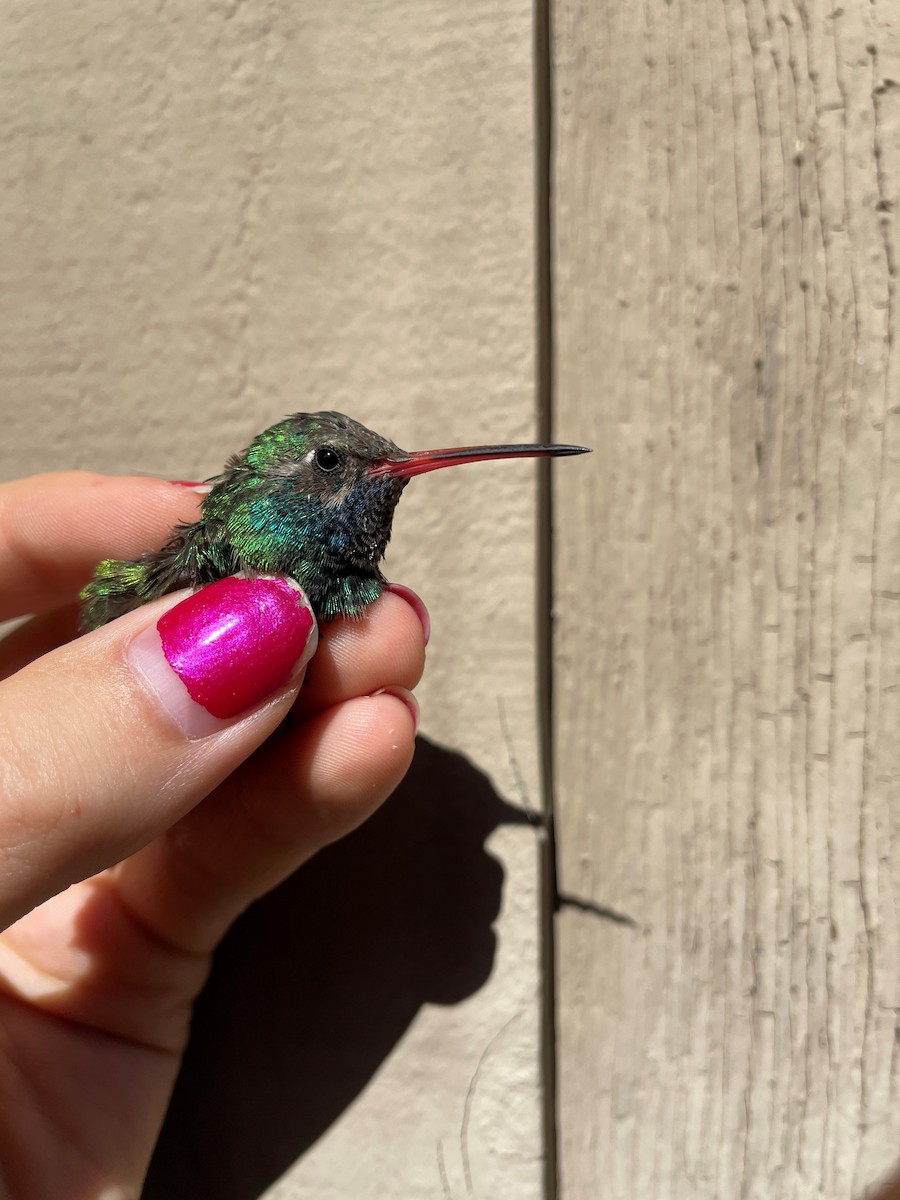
[312, 497]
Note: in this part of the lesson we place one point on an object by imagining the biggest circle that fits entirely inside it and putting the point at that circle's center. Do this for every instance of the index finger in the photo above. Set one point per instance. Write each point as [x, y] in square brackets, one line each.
[54, 529]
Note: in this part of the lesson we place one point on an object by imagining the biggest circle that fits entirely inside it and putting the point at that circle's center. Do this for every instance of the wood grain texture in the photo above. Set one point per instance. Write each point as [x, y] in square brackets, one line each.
[727, 587]
[218, 213]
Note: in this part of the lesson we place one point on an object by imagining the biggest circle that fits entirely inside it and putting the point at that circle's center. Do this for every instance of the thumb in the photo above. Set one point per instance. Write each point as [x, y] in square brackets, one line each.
[107, 741]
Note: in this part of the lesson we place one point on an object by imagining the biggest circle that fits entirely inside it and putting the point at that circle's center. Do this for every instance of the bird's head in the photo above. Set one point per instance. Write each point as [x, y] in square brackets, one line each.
[325, 457]
[314, 497]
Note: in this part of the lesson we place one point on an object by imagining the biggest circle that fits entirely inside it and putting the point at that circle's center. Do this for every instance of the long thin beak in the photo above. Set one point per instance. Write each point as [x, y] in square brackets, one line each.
[417, 462]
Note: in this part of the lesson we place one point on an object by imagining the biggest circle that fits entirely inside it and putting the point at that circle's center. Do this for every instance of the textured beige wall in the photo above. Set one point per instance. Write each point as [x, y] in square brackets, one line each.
[211, 215]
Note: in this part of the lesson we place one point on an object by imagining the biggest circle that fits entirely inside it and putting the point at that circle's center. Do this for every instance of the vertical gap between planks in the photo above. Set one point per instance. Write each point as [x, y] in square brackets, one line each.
[543, 182]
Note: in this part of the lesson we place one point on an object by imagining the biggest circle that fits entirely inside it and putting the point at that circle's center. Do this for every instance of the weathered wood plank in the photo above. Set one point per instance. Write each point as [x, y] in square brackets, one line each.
[218, 213]
[728, 629]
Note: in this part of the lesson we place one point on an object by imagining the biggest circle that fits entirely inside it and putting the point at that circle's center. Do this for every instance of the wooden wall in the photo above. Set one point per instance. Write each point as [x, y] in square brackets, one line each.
[727, 586]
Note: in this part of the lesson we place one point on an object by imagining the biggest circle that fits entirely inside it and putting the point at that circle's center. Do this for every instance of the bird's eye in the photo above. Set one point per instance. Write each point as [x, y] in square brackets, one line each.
[327, 458]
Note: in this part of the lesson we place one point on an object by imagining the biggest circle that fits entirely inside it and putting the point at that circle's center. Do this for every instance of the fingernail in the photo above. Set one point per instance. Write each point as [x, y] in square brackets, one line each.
[416, 603]
[407, 698]
[202, 488]
[223, 650]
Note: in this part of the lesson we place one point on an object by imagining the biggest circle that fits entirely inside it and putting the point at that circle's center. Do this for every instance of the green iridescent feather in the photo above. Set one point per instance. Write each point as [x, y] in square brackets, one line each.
[275, 510]
[313, 497]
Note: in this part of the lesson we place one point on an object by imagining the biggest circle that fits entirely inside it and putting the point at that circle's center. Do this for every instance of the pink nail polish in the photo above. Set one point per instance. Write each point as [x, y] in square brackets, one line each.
[416, 603]
[230, 645]
[404, 695]
[202, 488]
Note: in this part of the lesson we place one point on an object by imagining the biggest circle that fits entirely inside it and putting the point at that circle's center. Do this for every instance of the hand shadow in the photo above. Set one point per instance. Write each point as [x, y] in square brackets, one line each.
[316, 983]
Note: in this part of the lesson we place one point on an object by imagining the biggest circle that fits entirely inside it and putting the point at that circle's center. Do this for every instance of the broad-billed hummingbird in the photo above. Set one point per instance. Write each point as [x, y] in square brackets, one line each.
[312, 497]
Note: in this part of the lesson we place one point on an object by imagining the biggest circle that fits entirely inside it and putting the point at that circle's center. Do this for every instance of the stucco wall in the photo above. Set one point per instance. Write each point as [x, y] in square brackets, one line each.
[217, 213]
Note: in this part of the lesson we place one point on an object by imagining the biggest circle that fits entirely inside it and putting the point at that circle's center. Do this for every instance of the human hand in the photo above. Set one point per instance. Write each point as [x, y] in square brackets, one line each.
[166, 821]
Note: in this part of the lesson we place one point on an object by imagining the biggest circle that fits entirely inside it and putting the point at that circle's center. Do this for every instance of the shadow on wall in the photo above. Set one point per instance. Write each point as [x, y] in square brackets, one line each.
[317, 982]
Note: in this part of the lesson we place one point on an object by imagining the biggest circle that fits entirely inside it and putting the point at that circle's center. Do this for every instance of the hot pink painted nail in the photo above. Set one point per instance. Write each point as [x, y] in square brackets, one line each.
[230, 645]
[416, 603]
[191, 485]
[407, 698]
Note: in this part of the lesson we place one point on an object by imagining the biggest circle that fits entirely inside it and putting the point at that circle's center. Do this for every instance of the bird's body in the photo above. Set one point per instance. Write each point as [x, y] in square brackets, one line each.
[312, 497]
